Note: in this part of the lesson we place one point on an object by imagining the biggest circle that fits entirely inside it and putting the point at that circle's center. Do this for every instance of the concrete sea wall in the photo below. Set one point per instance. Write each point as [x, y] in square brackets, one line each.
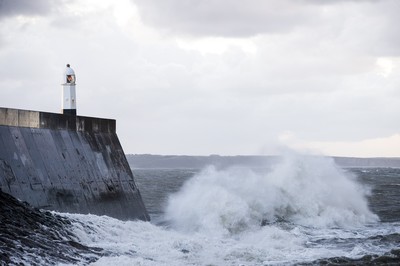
[67, 163]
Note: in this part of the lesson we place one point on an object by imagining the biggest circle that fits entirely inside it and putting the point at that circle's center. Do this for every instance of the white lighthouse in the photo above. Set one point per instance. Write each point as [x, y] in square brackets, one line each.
[69, 92]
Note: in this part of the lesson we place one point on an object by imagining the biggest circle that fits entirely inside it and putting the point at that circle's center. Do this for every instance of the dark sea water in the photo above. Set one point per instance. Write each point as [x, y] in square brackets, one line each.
[303, 211]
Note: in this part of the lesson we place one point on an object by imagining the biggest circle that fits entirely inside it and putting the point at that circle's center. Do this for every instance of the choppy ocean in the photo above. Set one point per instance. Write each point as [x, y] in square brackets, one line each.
[303, 211]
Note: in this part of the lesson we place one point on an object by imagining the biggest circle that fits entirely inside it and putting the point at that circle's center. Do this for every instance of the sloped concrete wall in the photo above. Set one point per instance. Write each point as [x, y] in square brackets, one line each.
[68, 164]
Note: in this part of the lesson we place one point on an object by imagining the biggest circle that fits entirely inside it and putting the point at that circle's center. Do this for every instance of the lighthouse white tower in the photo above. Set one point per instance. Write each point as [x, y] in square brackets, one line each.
[69, 92]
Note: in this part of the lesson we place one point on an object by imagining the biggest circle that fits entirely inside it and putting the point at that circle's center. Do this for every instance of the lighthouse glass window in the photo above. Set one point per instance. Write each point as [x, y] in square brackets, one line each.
[71, 79]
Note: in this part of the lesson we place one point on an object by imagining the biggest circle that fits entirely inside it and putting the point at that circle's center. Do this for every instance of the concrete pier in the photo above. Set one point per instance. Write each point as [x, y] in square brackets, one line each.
[67, 163]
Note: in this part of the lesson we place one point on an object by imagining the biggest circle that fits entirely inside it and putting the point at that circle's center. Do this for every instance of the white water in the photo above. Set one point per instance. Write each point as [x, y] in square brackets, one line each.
[313, 210]
[305, 190]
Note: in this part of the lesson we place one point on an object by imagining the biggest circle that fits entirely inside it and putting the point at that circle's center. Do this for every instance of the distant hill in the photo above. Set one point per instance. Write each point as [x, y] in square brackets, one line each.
[367, 162]
[151, 161]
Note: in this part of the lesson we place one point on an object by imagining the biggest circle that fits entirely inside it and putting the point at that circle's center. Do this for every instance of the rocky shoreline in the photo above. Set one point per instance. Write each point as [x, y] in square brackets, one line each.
[29, 236]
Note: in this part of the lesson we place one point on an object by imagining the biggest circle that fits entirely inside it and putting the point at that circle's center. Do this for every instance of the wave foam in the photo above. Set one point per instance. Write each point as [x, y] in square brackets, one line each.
[305, 190]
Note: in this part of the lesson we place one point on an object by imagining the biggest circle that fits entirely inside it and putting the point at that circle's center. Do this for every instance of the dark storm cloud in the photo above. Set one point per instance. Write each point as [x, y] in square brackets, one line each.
[24, 7]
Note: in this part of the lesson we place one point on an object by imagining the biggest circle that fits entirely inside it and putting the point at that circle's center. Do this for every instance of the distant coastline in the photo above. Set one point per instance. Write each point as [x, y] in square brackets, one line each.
[151, 161]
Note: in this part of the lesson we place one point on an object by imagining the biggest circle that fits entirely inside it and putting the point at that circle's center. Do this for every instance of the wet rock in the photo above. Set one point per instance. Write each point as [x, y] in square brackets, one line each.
[34, 237]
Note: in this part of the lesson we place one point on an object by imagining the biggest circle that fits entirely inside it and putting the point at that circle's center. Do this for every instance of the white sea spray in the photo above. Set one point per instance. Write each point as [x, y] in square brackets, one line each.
[306, 190]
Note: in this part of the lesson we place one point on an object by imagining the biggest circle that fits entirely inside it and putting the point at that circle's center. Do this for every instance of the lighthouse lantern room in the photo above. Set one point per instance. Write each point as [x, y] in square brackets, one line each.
[69, 92]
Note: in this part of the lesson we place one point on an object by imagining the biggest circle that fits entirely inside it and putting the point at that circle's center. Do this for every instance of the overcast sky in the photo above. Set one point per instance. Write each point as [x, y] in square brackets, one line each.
[227, 77]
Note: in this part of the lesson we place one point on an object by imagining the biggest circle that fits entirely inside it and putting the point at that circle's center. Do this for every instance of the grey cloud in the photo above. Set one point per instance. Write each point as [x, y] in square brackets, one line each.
[233, 18]
[367, 25]
[330, 2]
[24, 7]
